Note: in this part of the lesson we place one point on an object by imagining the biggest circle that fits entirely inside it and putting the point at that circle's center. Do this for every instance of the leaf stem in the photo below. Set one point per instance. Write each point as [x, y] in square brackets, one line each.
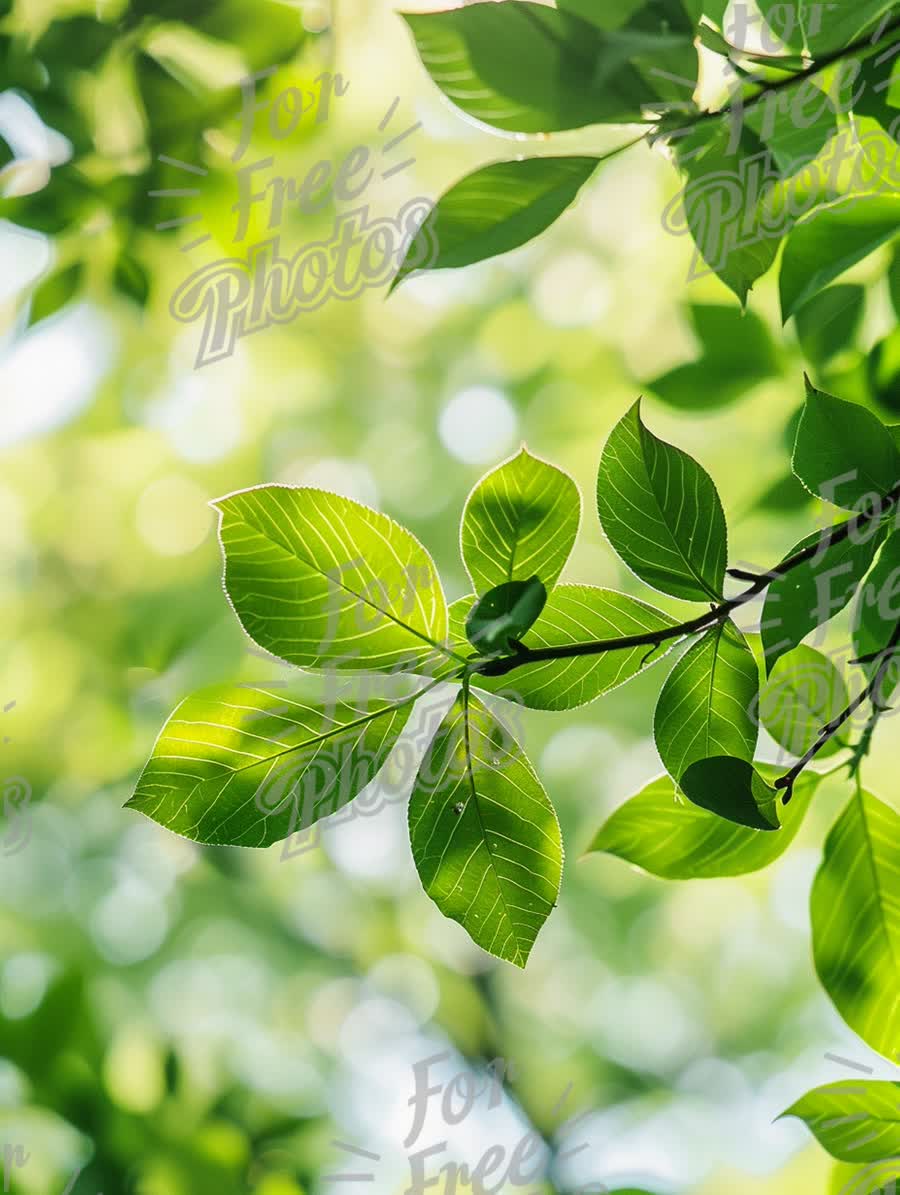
[718, 613]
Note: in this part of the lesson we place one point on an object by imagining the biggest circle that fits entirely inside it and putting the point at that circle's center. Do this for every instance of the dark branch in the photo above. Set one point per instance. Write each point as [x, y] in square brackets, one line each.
[834, 535]
[872, 694]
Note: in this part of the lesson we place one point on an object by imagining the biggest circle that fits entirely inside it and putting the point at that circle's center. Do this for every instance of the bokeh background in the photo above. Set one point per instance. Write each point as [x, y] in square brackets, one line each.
[181, 1020]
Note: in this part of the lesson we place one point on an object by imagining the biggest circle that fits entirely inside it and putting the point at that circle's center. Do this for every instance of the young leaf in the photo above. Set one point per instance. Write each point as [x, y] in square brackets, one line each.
[484, 836]
[131, 279]
[520, 521]
[661, 513]
[318, 580]
[803, 693]
[573, 614]
[843, 452]
[722, 209]
[667, 836]
[495, 209]
[814, 592]
[499, 619]
[855, 1121]
[556, 70]
[240, 766]
[877, 613]
[732, 789]
[708, 702]
[856, 921]
[831, 240]
[55, 292]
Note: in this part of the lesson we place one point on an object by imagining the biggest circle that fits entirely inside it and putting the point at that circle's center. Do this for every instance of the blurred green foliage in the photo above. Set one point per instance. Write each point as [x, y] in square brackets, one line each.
[186, 1020]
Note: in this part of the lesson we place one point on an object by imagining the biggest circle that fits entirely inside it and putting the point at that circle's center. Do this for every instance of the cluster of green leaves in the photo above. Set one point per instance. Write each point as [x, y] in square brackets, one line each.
[129, 87]
[326, 584]
[333, 587]
[584, 64]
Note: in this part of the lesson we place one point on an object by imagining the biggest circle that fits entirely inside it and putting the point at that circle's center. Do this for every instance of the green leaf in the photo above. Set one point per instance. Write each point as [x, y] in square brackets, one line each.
[573, 614]
[499, 619]
[877, 89]
[674, 839]
[661, 513]
[737, 353]
[741, 337]
[883, 371]
[845, 22]
[877, 613]
[707, 705]
[786, 495]
[241, 766]
[495, 209]
[831, 240]
[856, 921]
[484, 836]
[702, 385]
[520, 521]
[829, 322]
[806, 121]
[803, 693]
[878, 1178]
[55, 292]
[784, 20]
[855, 1121]
[556, 70]
[843, 452]
[317, 579]
[131, 279]
[814, 592]
[722, 210]
[732, 789]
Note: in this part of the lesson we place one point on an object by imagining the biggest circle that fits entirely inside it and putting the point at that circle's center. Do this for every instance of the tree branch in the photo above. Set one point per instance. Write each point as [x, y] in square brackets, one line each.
[872, 693]
[834, 535]
[864, 46]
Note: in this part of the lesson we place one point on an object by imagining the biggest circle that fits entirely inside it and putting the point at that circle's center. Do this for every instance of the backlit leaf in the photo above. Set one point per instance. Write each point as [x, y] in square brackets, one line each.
[661, 513]
[556, 71]
[484, 836]
[495, 209]
[855, 1121]
[668, 836]
[707, 705]
[856, 921]
[723, 212]
[320, 580]
[520, 521]
[241, 766]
